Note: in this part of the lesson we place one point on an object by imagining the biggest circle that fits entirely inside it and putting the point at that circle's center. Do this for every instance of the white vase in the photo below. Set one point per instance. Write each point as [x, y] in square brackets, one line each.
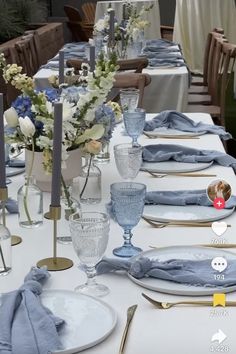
[43, 180]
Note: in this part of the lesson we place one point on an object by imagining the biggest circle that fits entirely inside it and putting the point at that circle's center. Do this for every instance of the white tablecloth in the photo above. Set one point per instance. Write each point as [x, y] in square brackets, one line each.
[182, 330]
[153, 16]
[194, 19]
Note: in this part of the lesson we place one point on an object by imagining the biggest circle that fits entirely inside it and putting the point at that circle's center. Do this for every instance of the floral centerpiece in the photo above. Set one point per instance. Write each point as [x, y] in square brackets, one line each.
[129, 32]
[88, 121]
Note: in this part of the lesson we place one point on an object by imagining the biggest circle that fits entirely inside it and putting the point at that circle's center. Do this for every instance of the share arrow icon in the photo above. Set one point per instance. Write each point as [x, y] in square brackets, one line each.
[219, 337]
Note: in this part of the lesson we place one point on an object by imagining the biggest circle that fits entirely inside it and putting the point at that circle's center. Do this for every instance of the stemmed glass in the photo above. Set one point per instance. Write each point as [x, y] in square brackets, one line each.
[127, 200]
[129, 99]
[134, 124]
[90, 237]
[128, 160]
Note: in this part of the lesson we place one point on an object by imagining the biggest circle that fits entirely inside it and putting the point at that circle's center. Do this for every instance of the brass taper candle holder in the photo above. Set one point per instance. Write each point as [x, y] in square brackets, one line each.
[55, 263]
[15, 240]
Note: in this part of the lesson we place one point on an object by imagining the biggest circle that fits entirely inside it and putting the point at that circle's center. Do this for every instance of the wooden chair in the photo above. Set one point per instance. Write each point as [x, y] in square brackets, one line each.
[9, 92]
[226, 62]
[75, 23]
[89, 9]
[131, 80]
[37, 47]
[28, 55]
[203, 80]
[136, 65]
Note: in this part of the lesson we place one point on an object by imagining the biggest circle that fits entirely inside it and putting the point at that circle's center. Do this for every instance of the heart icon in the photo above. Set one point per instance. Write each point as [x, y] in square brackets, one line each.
[219, 228]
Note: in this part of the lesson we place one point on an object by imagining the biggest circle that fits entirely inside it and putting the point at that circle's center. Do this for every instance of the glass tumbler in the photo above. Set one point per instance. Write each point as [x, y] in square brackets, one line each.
[128, 160]
[129, 99]
[90, 234]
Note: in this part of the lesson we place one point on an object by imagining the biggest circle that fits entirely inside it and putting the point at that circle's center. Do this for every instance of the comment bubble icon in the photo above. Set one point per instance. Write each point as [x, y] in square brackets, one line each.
[219, 264]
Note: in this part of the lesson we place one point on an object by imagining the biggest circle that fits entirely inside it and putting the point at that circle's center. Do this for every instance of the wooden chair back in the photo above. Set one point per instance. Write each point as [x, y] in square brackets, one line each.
[89, 9]
[74, 23]
[132, 80]
[28, 54]
[9, 92]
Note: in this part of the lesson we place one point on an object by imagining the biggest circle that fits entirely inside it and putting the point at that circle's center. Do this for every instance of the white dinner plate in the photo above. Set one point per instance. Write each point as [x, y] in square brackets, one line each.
[174, 166]
[186, 213]
[182, 252]
[13, 171]
[88, 320]
[163, 131]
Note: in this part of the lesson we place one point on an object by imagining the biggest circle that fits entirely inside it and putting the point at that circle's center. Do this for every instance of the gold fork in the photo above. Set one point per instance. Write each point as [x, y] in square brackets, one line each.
[179, 174]
[168, 305]
[130, 314]
[176, 223]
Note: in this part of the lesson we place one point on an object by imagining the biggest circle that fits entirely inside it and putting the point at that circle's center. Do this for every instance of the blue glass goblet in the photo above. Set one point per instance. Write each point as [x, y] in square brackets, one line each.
[134, 124]
[127, 200]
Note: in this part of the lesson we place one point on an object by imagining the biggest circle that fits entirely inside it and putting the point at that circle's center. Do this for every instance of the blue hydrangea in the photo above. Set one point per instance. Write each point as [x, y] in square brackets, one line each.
[22, 105]
[105, 115]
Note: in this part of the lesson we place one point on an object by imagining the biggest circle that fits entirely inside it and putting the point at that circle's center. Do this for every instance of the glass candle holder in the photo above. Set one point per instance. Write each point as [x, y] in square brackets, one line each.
[5, 250]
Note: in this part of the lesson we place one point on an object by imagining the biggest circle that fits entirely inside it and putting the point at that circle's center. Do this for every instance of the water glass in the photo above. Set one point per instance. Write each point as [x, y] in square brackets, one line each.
[127, 200]
[90, 237]
[129, 99]
[134, 123]
[128, 160]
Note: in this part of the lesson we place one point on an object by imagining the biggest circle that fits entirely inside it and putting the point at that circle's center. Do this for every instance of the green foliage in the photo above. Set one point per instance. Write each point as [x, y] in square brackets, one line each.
[15, 16]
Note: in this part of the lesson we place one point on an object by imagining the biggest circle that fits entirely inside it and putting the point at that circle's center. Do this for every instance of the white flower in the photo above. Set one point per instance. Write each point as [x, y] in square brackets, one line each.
[11, 117]
[68, 110]
[27, 127]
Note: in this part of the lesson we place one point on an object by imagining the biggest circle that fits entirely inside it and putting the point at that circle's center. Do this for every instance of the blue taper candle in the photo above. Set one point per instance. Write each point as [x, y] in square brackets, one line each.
[92, 57]
[61, 66]
[2, 147]
[56, 156]
[112, 27]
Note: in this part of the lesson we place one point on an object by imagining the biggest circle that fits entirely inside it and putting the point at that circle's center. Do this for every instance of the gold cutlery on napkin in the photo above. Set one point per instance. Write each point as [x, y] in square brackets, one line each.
[168, 305]
[159, 136]
[130, 314]
[178, 174]
[160, 225]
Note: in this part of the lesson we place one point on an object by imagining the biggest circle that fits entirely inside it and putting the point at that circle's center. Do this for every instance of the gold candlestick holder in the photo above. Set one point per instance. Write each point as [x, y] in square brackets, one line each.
[55, 263]
[15, 240]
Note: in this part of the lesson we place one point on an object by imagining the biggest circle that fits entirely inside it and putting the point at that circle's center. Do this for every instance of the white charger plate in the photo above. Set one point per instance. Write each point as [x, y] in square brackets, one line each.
[186, 213]
[163, 131]
[174, 166]
[88, 320]
[182, 252]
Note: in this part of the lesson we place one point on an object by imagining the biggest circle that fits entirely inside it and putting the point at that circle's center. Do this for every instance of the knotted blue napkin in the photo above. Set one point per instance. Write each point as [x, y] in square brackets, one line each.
[180, 153]
[179, 121]
[184, 197]
[160, 43]
[26, 326]
[11, 206]
[196, 273]
[166, 62]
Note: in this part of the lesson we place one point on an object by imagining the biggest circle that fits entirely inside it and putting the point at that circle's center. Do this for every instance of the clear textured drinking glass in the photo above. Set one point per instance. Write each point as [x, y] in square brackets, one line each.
[129, 99]
[90, 234]
[128, 160]
[127, 200]
[134, 124]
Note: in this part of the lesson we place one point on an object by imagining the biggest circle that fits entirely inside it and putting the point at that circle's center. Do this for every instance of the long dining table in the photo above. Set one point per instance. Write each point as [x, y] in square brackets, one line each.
[181, 330]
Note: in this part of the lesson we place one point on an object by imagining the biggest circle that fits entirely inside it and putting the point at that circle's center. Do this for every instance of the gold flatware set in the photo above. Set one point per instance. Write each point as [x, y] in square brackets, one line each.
[160, 225]
[130, 314]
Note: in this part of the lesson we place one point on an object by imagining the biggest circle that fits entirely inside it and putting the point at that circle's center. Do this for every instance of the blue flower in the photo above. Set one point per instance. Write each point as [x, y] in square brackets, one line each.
[105, 115]
[22, 105]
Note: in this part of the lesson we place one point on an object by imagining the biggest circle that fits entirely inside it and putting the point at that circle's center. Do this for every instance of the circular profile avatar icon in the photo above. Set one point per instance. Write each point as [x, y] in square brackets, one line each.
[219, 190]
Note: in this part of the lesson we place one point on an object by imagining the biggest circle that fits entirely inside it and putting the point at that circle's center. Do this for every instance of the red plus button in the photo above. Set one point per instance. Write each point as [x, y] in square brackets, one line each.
[219, 203]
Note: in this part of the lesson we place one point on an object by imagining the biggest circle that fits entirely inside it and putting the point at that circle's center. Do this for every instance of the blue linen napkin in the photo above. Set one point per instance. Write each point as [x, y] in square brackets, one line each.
[196, 273]
[184, 197]
[153, 48]
[180, 153]
[179, 121]
[161, 43]
[11, 206]
[27, 327]
[164, 55]
[166, 62]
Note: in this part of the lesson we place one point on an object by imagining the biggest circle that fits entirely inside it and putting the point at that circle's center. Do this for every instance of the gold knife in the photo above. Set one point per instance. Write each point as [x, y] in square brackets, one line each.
[130, 314]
